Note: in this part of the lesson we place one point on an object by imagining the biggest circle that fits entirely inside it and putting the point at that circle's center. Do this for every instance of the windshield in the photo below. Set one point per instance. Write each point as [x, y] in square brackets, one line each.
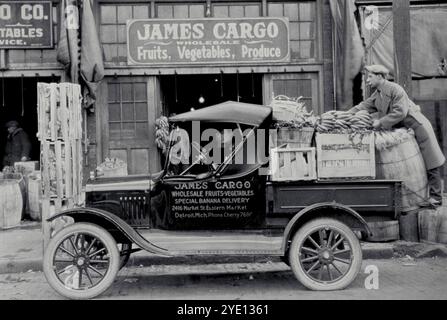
[220, 148]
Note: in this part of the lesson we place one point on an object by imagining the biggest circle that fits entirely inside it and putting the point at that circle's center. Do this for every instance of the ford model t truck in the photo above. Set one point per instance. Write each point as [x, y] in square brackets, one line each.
[218, 209]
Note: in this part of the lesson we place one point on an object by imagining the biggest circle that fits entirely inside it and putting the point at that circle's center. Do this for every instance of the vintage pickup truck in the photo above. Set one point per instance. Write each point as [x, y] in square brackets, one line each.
[218, 209]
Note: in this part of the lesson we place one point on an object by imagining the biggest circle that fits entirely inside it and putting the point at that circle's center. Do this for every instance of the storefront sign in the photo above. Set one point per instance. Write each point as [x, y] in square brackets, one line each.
[25, 24]
[204, 41]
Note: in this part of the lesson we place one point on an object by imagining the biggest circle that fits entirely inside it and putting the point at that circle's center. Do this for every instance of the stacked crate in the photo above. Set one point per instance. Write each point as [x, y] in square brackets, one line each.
[60, 135]
[343, 155]
[292, 164]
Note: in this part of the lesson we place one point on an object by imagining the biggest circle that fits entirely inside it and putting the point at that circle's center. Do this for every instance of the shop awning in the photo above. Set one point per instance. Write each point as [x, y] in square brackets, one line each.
[230, 111]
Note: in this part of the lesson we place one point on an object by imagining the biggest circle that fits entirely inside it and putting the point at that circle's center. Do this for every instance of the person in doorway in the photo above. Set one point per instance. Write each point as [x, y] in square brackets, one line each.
[395, 109]
[18, 145]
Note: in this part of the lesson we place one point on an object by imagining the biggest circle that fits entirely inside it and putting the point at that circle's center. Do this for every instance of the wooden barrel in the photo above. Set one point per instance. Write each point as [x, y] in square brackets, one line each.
[34, 196]
[442, 230]
[383, 231]
[408, 226]
[11, 203]
[404, 162]
[18, 178]
[428, 221]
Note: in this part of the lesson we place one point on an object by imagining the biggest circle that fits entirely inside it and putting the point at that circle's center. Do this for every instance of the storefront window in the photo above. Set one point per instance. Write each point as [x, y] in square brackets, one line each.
[128, 117]
[302, 26]
[227, 10]
[179, 11]
[113, 28]
[295, 85]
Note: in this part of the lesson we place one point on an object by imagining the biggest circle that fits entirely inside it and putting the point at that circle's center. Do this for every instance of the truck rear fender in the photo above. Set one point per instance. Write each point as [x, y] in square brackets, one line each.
[119, 229]
[329, 210]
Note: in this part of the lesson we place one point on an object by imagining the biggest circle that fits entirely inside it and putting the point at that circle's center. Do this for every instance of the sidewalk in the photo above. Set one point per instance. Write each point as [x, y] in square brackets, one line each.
[21, 250]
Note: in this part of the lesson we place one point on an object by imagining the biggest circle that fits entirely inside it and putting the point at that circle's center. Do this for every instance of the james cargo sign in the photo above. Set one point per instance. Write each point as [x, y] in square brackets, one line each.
[25, 24]
[204, 41]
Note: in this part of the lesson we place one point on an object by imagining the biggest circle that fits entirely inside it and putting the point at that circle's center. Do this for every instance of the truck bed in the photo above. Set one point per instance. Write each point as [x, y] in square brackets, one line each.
[367, 197]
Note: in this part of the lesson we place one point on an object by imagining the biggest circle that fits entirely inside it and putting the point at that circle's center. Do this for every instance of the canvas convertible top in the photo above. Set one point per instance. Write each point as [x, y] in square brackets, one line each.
[230, 111]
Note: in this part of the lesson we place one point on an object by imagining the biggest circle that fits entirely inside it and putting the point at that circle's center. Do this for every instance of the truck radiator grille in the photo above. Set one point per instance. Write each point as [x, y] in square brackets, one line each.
[135, 210]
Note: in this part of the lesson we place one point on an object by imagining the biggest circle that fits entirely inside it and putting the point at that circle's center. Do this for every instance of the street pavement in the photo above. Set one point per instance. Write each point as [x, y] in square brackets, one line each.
[397, 278]
[405, 270]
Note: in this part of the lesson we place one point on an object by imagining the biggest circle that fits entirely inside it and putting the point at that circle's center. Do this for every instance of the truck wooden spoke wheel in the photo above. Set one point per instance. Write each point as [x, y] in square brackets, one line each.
[325, 255]
[81, 261]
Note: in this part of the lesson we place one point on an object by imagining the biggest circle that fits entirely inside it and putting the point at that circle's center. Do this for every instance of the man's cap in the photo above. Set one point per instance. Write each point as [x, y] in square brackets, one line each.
[11, 123]
[377, 69]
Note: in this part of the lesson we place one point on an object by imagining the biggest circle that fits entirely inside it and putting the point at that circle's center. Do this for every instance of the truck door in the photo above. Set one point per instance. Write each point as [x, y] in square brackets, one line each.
[234, 201]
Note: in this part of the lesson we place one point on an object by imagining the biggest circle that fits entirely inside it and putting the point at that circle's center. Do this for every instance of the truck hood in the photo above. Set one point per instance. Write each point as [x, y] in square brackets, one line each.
[131, 182]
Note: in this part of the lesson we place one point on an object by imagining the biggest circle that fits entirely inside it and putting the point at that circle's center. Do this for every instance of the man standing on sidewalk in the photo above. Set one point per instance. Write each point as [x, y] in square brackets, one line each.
[396, 109]
[18, 146]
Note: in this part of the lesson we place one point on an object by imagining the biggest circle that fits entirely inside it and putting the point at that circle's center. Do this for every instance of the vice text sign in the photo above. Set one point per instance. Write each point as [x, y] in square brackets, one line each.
[25, 24]
[204, 41]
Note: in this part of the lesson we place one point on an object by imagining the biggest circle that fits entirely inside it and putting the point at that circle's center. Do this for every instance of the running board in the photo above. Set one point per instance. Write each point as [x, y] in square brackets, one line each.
[216, 242]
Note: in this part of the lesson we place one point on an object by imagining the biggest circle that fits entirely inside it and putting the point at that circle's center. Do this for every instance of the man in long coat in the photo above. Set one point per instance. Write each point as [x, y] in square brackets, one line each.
[396, 109]
[18, 146]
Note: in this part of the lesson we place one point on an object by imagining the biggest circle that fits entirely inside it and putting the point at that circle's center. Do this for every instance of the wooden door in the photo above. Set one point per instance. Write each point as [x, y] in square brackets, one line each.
[129, 108]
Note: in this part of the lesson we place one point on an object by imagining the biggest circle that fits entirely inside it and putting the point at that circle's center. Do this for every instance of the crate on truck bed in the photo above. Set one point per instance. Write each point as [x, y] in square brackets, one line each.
[345, 155]
[293, 164]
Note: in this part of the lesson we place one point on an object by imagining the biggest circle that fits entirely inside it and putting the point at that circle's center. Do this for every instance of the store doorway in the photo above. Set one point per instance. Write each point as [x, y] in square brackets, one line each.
[18, 101]
[180, 93]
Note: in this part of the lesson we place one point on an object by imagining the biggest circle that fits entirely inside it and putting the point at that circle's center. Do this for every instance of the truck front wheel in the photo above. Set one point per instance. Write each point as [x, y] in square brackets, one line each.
[81, 261]
[325, 255]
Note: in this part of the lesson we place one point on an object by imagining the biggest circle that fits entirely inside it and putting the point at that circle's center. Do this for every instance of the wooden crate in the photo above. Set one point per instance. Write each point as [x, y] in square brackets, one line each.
[51, 207]
[293, 164]
[62, 170]
[59, 111]
[345, 155]
[60, 134]
[291, 137]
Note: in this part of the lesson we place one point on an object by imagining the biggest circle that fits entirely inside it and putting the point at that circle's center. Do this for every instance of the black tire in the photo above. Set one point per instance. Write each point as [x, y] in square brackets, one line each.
[80, 252]
[321, 245]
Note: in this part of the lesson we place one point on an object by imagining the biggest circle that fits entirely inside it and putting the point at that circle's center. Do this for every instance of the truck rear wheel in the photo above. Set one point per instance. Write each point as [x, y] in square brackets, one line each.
[325, 255]
[81, 261]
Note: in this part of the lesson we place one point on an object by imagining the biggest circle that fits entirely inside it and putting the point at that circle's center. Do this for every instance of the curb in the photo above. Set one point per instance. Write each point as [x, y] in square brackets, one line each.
[20, 266]
[146, 260]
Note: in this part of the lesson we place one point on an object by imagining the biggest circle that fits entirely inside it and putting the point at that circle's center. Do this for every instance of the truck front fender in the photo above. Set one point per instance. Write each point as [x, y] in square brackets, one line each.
[109, 221]
[326, 209]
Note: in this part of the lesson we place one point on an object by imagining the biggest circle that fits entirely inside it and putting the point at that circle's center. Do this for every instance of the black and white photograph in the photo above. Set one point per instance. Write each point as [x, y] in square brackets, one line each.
[223, 155]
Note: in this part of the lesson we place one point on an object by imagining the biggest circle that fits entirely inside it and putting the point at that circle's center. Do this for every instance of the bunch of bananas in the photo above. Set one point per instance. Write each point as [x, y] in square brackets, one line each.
[162, 133]
[361, 121]
[333, 121]
[303, 121]
[343, 121]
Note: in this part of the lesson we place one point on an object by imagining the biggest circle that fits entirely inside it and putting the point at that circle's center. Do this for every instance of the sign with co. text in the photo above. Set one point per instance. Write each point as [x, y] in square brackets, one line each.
[26, 24]
[207, 41]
